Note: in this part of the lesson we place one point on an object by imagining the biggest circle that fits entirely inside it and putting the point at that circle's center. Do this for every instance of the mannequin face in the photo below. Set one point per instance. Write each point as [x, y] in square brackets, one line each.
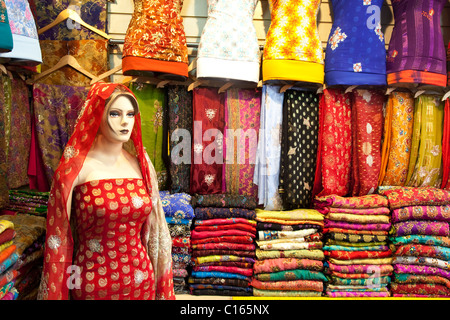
[118, 120]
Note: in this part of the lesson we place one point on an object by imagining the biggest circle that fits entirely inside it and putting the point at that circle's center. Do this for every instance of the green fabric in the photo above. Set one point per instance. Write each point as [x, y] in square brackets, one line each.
[421, 239]
[152, 102]
[297, 274]
[426, 149]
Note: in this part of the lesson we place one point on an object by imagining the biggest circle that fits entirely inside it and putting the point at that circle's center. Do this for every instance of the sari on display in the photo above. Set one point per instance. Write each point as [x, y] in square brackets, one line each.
[396, 148]
[242, 122]
[59, 247]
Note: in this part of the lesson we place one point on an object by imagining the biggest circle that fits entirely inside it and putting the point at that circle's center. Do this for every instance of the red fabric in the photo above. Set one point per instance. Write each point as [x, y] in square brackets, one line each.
[7, 235]
[335, 144]
[36, 172]
[224, 245]
[219, 233]
[99, 252]
[59, 241]
[446, 147]
[350, 255]
[367, 129]
[207, 152]
[217, 221]
[237, 239]
[235, 226]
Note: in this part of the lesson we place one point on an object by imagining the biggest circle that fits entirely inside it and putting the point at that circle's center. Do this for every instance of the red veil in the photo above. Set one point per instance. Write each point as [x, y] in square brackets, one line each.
[56, 275]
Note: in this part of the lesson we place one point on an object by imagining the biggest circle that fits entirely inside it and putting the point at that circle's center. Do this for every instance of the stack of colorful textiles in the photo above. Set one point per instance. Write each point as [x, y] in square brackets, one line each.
[289, 254]
[28, 201]
[8, 258]
[29, 247]
[356, 245]
[222, 242]
[179, 215]
[420, 241]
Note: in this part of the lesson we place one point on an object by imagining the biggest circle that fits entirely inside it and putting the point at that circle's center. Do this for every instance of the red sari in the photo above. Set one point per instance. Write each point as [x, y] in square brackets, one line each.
[57, 279]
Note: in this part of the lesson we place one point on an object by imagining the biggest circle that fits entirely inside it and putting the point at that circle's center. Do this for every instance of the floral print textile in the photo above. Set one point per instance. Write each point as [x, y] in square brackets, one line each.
[242, 116]
[367, 124]
[293, 33]
[333, 170]
[426, 149]
[56, 109]
[396, 148]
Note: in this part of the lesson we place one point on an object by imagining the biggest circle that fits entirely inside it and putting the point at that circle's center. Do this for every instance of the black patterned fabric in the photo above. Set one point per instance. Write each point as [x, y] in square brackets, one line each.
[299, 143]
[180, 117]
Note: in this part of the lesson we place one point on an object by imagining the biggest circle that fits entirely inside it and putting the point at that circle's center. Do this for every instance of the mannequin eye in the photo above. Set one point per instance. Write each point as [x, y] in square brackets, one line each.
[130, 114]
[114, 114]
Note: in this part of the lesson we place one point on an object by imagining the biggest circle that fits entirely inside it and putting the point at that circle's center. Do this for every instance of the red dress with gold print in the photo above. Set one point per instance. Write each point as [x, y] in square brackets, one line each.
[112, 261]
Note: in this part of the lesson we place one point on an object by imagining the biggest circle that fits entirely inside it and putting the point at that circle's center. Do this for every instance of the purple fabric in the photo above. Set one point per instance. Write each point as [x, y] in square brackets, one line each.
[416, 42]
[357, 226]
[439, 213]
[421, 270]
[432, 228]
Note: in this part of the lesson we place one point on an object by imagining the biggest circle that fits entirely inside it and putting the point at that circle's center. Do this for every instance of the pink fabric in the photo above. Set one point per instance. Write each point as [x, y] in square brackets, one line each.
[242, 116]
[357, 226]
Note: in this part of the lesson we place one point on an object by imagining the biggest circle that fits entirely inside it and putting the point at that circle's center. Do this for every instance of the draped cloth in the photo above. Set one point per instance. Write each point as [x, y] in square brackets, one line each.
[19, 134]
[152, 102]
[299, 144]
[425, 166]
[242, 114]
[59, 247]
[179, 109]
[207, 142]
[446, 147]
[367, 124]
[267, 168]
[333, 171]
[4, 129]
[396, 148]
[56, 108]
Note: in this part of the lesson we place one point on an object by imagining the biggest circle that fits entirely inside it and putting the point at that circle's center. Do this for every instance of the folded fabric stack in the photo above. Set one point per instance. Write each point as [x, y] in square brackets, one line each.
[27, 201]
[29, 247]
[359, 260]
[179, 216]
[289, 254]
[8, 258]
[222, 242]
[421, 243]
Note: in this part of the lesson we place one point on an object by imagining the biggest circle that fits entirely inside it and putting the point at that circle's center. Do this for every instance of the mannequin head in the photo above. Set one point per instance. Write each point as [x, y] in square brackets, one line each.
[119, 116]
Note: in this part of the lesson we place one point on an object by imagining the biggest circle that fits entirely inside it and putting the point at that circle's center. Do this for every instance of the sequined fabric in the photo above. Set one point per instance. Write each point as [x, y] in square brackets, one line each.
[111, 257]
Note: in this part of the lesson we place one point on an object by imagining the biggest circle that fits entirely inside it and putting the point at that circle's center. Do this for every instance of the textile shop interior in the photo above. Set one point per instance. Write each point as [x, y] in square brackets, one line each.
[327, 123]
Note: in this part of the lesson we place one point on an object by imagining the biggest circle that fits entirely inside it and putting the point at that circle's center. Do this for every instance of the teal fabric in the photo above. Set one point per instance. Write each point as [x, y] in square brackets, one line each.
[6, 40]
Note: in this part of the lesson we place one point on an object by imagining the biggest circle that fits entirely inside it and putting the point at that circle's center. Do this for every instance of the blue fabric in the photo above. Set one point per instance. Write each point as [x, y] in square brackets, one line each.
[177, 205]
[172, 220]
[218, 274]
[267, 167]
[356, 52]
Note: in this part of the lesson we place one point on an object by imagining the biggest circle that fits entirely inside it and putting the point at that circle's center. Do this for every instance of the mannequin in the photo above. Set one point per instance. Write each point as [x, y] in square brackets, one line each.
[111, 198]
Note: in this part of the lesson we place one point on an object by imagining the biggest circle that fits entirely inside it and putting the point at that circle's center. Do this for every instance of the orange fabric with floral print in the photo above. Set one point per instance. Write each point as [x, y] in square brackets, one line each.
[155, 39]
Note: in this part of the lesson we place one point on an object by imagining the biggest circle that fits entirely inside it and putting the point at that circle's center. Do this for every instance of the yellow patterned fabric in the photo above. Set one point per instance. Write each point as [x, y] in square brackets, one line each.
[426, 150]
[293, 50]
[396, 149]
[296, 214]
